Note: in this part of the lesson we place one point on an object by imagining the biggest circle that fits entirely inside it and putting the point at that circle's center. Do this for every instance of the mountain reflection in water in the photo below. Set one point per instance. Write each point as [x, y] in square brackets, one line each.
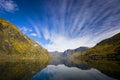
[62, 72]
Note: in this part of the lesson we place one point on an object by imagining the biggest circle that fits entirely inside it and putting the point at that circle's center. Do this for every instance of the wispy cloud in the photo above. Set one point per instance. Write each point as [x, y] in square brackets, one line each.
[8, 5]
[80, 22]
[29, 31]
[26, 30]
[69, 24]
[46, 34]
[61, 43]
[33, 34]
[36, 27]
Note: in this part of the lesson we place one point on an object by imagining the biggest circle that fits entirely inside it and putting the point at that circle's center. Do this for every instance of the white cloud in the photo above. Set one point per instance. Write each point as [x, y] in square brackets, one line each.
[81, 23]
[62, 43]
[25, 30]
[28, 31]
[46, 33]
[36, 27]
[8, 5]
[33, 34]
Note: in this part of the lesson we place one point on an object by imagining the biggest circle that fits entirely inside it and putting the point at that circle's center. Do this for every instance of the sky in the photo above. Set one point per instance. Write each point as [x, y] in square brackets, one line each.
[58, 25]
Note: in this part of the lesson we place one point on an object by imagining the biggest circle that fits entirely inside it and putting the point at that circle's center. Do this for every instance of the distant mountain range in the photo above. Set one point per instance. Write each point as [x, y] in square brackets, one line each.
[77, 50]
[55, 52]
[14, 42]
[56, 57]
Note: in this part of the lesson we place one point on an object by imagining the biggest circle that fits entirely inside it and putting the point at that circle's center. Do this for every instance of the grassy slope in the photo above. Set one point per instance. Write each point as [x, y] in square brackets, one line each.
[14, 44]
[105, 56]
[107, 48]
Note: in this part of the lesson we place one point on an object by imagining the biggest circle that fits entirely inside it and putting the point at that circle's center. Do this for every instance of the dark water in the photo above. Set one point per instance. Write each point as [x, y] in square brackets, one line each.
[64, 70]
[20, 70]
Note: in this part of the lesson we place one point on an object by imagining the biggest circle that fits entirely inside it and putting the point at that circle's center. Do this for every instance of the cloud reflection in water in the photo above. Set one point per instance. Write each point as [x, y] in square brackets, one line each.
[62, 72]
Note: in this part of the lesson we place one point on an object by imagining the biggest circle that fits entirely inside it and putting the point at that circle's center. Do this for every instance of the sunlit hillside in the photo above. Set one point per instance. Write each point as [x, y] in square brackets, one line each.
[108, 48]
[14, 44]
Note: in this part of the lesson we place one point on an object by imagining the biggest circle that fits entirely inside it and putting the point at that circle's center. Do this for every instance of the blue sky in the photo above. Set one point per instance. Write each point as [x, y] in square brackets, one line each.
[64, 24]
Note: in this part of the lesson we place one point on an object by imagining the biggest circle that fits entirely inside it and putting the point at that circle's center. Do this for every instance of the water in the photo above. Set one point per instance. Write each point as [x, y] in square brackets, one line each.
[20, 70]
[63, 70]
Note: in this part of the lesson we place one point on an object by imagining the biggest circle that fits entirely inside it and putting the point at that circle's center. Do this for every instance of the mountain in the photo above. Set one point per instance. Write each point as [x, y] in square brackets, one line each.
[108, 48]
[55, 52]
[104, 56]
[14, 44]
[55, 57]
[77, 50]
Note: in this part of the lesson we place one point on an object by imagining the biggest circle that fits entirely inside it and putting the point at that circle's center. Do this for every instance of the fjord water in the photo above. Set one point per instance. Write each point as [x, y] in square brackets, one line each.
[20, 70]
[64, 70]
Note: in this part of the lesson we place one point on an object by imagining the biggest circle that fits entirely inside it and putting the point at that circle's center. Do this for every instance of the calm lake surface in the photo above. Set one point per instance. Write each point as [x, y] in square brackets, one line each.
[64, 70]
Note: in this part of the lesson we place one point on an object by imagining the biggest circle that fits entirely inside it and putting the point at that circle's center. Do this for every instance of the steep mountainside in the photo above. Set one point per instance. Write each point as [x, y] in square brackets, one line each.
[109, 48]
[105, 56]
[14, 42]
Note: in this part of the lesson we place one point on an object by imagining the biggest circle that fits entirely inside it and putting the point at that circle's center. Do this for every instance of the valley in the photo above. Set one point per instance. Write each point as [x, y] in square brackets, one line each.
[27, 60]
